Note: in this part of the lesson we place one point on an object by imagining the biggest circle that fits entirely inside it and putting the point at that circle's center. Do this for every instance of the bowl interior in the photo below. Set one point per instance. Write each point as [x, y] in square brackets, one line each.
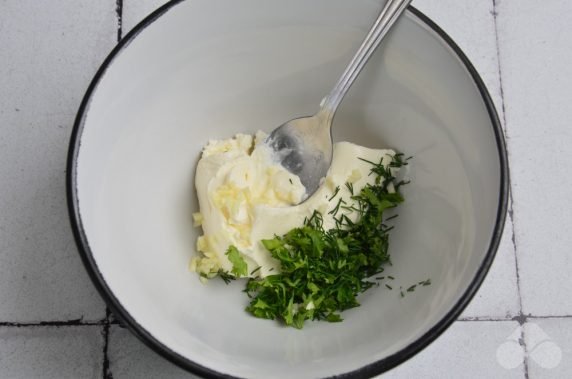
[206, 70]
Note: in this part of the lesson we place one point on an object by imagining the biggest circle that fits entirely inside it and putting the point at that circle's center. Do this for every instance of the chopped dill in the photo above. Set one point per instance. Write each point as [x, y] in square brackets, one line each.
[350, 187]
[322, 272]
[255, 270]
[226, 277]
[335, 193]
[334, 211]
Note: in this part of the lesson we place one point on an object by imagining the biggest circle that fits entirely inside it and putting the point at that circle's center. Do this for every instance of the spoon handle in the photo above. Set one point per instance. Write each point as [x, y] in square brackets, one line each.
[389, 14]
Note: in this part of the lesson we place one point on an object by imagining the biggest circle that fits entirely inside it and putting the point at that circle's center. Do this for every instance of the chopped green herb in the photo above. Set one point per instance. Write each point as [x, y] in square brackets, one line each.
[350, 187]
[425, 282]
[239, 266]
[323, 271]
[255, 270]
[401, 183]
[391, 218]
[225, 276]
[335, 193]
[390, 277]
[414, 286]
[334, 211]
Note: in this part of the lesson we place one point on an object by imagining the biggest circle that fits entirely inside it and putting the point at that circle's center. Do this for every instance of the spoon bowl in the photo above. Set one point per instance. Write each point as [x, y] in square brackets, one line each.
[304, 145]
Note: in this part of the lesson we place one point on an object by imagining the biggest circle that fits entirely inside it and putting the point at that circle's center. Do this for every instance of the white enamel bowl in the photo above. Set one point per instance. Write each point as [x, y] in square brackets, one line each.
[201, 69]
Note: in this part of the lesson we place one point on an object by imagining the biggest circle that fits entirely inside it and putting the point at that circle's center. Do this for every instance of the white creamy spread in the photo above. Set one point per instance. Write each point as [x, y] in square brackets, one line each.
[245, 197]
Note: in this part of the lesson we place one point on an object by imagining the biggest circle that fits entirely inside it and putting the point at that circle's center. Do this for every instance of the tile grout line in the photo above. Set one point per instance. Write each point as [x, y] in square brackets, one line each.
[521, 318]
[515, 318]
[119, 15]
[484, 319]
[106, 372]
[104, 322]
[548, 317]
[511, 202]
[77, 322]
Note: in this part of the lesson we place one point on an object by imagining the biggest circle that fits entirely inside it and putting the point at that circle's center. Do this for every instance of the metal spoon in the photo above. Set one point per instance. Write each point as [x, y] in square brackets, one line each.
[304, 145]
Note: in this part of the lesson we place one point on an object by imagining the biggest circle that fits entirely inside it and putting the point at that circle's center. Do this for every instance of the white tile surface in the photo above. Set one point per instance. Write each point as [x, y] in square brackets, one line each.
[549, 345]
[498, 296]
[51, 352]
[50, 49]
[471, 25]
[535, 53]
[49, 52]
[468, 349]
[136, 10]
[130, 358]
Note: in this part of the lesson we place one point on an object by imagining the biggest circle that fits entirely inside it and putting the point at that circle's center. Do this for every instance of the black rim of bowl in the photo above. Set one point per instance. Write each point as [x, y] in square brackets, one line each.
[367, 371]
